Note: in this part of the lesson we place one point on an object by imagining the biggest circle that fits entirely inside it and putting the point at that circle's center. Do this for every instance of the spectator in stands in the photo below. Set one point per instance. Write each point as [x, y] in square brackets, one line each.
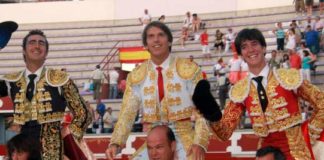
[229, 39]
[291, 39]
[23, 147]
[273, 63]
[294, 59]
[12, 128]
[97, 78]
[191, 58]
[298, 33]
[113, 83]
[196, 22]
[145, 19]
[306, 66]
[309, 22]
[204, 42]
[187, 22]
[184, 36]
[299, 7]
[244, 70]
[97, 125]
[219, 66]
[280, 34]
[203, 73]
[219, 43]
[92, 113]
[318, 24]
[285, 62]
[163, 79]
[235, 68]
[121, 88]
[312, 40]
[108, 120]
[223, 86]
[162, 18]
[161, 143]
[309, 7]
[41, 95]
[269, 153]
[101, 107]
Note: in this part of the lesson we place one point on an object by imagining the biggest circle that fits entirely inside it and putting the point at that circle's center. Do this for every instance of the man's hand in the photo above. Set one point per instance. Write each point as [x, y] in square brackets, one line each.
[112, 151]
[198, 153]
[205, 102]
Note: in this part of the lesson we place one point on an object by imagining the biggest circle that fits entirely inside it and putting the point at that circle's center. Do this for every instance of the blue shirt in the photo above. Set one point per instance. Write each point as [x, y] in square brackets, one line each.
[280, 33]
[305, 63]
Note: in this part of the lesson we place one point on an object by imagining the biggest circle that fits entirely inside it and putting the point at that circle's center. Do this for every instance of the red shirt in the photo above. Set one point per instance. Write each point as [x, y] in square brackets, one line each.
[204, 39]
[295, 61]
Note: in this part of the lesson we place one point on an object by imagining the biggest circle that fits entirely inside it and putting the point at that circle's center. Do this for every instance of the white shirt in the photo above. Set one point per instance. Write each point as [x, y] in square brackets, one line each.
[97, 74]
[38, 73]
[235, 64]
[113, 77]
[264, 72]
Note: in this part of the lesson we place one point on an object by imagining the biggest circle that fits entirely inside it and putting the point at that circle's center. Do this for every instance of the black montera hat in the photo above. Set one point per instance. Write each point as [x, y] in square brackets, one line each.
[6, 29]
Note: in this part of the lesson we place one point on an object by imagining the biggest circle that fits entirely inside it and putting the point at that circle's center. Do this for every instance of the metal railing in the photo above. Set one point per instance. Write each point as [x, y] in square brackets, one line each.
[106, 61]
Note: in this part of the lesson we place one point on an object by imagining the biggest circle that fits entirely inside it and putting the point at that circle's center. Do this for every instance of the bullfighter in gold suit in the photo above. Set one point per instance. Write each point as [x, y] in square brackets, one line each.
[168, 103]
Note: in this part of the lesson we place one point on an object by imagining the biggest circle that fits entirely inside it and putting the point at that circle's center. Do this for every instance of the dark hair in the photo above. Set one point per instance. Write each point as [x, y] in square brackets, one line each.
[35, 32]
[306, 53]
[98, 66]
[24, 143]
[161, 26]
[277, 153]
[249, 34]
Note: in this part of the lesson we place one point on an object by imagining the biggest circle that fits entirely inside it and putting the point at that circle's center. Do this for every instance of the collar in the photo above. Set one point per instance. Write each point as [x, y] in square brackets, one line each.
[264, 72]
[38, 73]
[164, 65]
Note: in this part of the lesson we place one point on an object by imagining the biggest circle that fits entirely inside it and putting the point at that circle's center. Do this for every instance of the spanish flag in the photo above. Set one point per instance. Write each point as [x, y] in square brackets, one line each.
[133, 54]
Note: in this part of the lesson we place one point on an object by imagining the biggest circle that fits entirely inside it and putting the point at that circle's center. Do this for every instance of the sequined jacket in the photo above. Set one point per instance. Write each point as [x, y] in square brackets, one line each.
[175, 108]
[54, 92]
[283, 113]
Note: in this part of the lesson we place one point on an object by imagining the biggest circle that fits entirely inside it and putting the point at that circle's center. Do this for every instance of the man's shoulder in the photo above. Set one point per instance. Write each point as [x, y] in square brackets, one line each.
[56, 77]
[185, 68]
[290, 79]
[138, 74]
[240, 90]
[12, 77]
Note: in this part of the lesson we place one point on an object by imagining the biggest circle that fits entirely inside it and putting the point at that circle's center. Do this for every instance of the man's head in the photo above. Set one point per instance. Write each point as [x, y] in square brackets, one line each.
[157, 38]
[98, 66]
[273, 53]
[35, 47]
[270, 153]
[109, 110]
[161, 143]
[251, 45]
[145, 11]
[23, 147]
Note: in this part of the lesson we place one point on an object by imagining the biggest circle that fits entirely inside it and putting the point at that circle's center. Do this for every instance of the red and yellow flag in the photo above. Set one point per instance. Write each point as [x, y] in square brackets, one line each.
[133, 54]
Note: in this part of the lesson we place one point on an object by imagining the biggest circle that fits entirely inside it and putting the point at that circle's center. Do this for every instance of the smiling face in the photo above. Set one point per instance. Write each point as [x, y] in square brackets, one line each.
[157, 44]
[253, 54]
[35, 50]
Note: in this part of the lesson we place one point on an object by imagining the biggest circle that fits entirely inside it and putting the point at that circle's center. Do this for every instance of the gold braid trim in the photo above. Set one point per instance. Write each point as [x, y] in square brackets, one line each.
[56, 78]
[288, 78]
[224, 128]
[240, 90]
[129, 108]
[297, 145]
[201, 131]
[12, 77]
[186, 69]
[139, 73]
[75, 103]
[52, 145]
[315, 97]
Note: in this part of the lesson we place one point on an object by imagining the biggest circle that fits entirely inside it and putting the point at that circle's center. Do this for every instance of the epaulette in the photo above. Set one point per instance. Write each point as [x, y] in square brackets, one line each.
[186, 69]
[139, 73]
[240, 90]
[12, 77]
[289, 79]
[56, 77]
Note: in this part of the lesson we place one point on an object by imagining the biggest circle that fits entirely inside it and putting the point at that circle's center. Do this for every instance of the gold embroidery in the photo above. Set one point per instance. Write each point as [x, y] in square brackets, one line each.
[298, 147]
[139, 73]
[174, 101]
[149, 90]
[169, 73]
[13, 77]
[149, 103]
[255, 110]
[186, 69]
[181, 114]
[151, 118]
[289, 78]
[240, 91]
[51, 141]
[152, 75]
[56, 78]
[174, 87]
[278, 102]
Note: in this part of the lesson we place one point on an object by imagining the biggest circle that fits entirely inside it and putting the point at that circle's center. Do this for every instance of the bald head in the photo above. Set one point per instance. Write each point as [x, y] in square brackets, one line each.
[161, 143]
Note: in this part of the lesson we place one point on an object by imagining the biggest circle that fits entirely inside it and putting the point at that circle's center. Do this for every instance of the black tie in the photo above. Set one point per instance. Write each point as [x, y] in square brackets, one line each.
[30, 86]
[261, 93]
